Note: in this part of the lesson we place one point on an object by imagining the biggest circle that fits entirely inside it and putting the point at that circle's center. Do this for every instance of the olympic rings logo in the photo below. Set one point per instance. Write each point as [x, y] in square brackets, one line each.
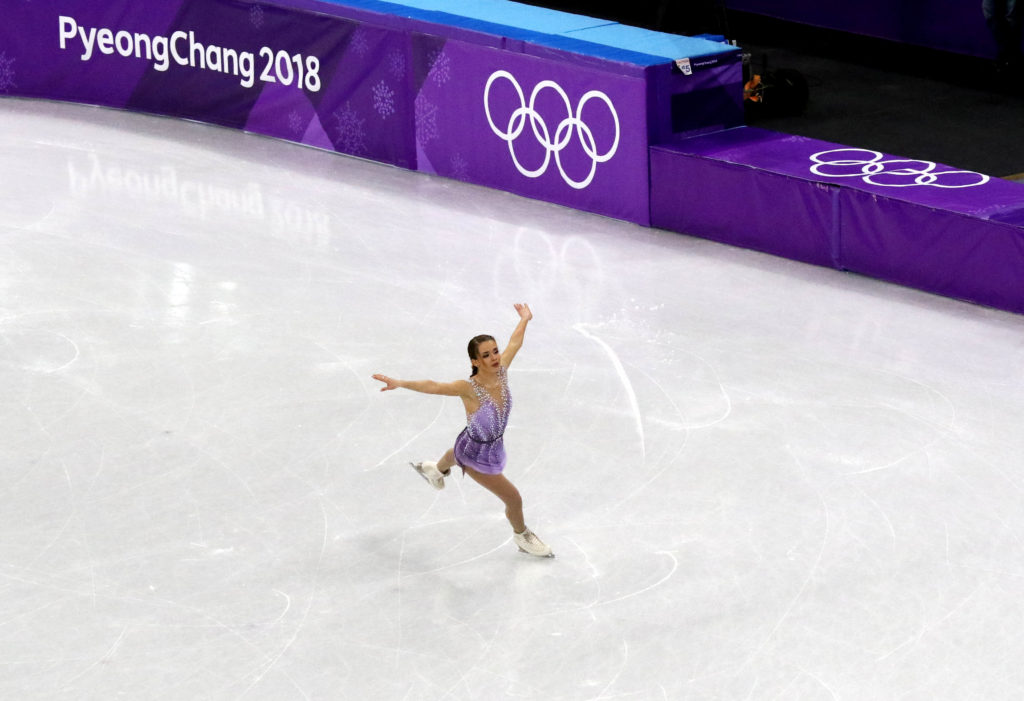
[877, 171]
[572, 124]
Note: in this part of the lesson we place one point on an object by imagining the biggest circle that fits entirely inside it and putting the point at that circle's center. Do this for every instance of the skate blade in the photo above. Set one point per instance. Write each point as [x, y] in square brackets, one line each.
[549, 555]
[425, 478]
[419, 471]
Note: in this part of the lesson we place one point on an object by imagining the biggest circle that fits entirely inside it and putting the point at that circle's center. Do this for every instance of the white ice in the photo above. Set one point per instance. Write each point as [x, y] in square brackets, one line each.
[762, 480]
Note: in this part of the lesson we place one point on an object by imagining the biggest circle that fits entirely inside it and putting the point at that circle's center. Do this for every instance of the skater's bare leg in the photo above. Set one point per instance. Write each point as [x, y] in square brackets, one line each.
[507, 492]
[446, 462]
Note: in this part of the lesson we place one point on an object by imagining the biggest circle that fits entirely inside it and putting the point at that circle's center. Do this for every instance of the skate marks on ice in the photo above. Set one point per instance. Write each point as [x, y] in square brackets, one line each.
[624, 379]
[798, 484]
[657, 360]
[810, 478]
[603, 598]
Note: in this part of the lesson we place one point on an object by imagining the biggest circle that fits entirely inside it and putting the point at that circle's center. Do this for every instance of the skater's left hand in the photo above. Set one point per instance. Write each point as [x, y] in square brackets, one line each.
[524, 311]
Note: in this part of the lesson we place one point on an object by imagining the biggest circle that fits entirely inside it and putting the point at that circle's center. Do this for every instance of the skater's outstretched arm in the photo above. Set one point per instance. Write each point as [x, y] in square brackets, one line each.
[515, 342]
[459, 388]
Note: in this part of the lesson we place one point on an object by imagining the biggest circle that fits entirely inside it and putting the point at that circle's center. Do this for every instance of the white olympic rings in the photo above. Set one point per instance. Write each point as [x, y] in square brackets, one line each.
[563, 133]
[870, 169]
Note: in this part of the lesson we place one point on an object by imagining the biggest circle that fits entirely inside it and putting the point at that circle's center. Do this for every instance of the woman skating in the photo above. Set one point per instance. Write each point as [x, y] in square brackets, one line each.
[480, 450]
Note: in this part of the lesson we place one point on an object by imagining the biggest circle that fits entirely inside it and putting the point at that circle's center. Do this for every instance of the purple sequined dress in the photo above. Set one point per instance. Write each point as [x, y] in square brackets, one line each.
[480, 446]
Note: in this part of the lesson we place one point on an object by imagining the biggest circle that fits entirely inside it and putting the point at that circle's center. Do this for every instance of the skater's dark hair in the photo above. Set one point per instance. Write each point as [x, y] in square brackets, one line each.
[474, 348]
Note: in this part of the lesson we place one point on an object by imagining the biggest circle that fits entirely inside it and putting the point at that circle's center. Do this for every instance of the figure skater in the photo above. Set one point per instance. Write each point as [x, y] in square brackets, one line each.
[479, 450]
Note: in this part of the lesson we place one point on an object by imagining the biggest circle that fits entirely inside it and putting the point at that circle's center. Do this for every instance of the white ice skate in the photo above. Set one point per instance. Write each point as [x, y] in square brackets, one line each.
[429, 472]
[530, 544]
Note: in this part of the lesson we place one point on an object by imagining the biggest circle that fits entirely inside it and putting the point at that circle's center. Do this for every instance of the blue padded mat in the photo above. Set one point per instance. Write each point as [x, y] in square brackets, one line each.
[558, 30]
[667, 46]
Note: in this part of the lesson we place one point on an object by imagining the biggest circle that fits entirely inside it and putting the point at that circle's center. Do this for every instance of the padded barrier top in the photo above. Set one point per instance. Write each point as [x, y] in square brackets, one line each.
[557, 30]
[919, 182]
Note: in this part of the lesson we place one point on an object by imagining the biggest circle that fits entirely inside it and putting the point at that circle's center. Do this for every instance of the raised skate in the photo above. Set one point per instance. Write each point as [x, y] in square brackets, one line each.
[530, 544]
[429, 472]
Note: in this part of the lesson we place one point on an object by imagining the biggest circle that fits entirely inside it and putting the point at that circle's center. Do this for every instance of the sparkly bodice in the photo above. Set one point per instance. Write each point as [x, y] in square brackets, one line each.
[487, 423]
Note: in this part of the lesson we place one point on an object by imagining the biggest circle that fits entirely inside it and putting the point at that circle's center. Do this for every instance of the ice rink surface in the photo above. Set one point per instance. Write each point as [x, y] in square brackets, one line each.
[762, 480]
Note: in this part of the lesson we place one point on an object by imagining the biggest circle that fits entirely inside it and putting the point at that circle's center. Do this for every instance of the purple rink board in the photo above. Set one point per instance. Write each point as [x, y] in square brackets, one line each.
[916, 223]
[379, 86]
[536, 127]
[309, 78]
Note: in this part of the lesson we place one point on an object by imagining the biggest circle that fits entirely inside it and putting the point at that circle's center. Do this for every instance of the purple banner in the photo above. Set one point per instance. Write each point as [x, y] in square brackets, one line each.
[951, 254]
[535, 127]
[698, 101]
[913, 180]
[310, 78]
[460, 101]
[742, 206]
[912, 222]
[45, 52]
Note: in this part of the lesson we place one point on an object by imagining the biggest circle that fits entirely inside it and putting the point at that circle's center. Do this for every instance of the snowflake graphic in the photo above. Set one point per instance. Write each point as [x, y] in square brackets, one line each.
[360, 44]
[426, 122]
[256, 17]
[6, 73]
[383, 100]
[350, 131]
[295, 122]
[396, 64]
[460, 167]
[441, 67]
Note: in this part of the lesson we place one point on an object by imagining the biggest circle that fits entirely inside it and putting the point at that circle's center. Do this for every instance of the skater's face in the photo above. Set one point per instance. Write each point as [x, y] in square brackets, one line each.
[488, 357]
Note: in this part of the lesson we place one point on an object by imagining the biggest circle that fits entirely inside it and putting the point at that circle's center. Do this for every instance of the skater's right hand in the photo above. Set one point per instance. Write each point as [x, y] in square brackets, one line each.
[389, 383]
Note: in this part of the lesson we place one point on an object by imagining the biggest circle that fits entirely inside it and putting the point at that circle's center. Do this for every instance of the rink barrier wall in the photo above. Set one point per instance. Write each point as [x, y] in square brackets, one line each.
[562, 108]
[915, 223]
[544, 104]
